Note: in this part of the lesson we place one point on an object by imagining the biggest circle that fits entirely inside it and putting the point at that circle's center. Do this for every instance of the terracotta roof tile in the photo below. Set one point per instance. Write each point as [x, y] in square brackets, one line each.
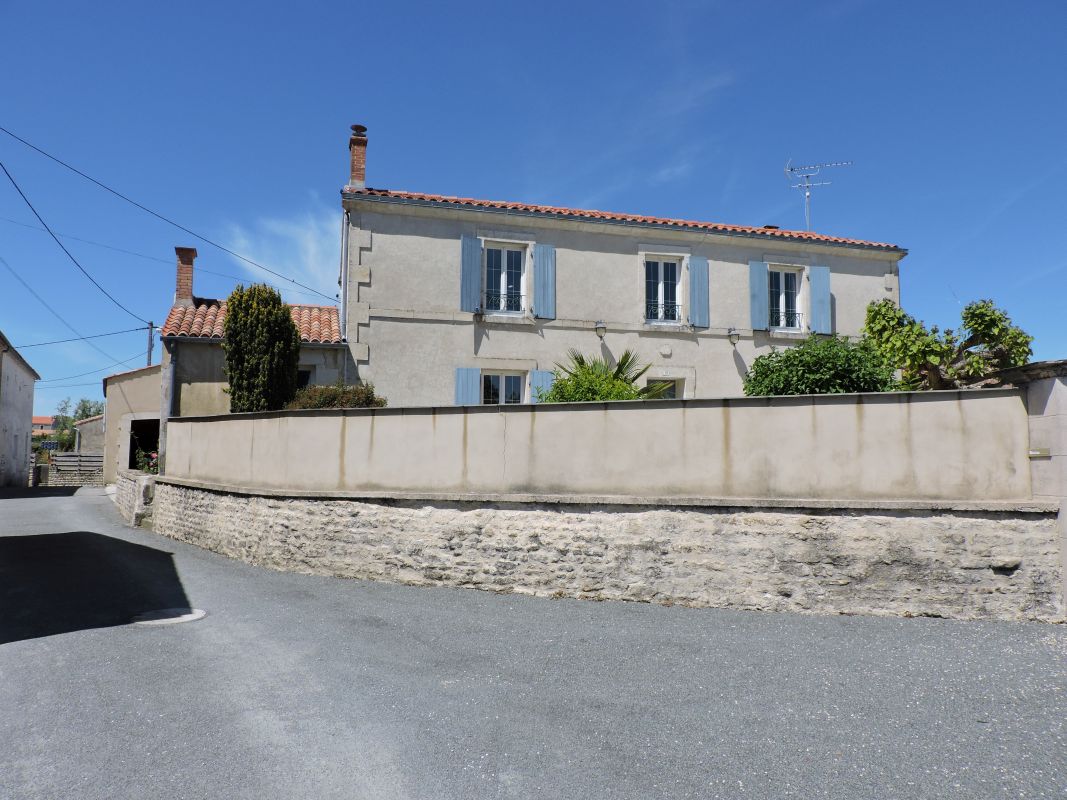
[206, 319]
[611, 216]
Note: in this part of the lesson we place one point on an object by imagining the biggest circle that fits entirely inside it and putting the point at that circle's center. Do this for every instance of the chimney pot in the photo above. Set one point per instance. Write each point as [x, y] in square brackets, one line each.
[183, 285]
[357, 148]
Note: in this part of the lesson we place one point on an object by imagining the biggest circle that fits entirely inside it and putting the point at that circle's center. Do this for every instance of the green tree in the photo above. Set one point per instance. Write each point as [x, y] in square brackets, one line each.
[88, 408]
[262, 347]
[360, 395]
[988, 341]
[820, 365]
[63, 426]
[584, 379]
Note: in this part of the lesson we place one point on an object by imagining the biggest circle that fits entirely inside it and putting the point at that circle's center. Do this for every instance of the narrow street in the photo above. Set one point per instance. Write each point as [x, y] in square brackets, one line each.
[298, 686]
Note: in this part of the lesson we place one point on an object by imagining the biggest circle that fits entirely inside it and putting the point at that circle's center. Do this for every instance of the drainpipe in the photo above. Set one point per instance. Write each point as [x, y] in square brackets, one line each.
[345, 220]
[166, 398]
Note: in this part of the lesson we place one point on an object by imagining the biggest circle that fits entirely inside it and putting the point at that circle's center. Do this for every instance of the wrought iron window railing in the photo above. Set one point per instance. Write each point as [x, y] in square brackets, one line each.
[671, 312]
[786, 319]
[502, 301]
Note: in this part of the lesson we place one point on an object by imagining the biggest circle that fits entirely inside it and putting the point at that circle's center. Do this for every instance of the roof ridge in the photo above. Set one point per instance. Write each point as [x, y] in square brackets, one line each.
[763, 232]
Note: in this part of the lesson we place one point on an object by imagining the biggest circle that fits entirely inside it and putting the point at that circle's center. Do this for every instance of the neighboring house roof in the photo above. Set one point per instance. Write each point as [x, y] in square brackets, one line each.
[88, 419]
[611, 216]
[43, 420]
[205, 319]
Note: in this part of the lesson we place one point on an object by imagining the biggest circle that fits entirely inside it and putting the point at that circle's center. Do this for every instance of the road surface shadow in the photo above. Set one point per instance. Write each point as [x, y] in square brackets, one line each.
[19, 492]
[61, 582]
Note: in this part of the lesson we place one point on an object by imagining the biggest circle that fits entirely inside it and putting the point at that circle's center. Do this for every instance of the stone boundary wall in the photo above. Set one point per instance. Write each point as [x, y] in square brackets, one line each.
[963, 561]
[134, 493]
[56, 477]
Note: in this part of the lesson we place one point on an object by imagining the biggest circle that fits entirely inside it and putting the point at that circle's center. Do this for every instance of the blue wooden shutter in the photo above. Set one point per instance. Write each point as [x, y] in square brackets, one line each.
[820, 299]
[468, 386]
[544, 258]
[540, 379]
[470, 283]
[758, 299]
[699, 315]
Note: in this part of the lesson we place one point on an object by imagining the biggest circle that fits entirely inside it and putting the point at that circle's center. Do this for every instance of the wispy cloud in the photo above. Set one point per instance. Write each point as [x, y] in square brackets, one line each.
[305, 247]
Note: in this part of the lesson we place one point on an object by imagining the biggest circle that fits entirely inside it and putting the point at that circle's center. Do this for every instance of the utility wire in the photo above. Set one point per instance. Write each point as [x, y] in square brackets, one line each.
[66, 386]
[237, 278]
[65, 250]
[159, 216]
[90, 372]
[78, 339]
[55, 313]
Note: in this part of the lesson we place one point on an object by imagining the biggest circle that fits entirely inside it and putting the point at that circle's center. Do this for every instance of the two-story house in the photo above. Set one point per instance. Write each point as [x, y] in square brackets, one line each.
[454, 300]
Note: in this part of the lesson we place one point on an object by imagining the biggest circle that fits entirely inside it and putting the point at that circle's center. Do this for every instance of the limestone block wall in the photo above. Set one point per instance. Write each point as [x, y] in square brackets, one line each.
[134, 493]
[960, 561]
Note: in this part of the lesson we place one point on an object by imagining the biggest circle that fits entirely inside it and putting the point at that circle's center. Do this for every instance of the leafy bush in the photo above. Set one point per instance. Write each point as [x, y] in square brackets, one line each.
[820, 365]
[360, 395]
[596, 379]
[147, 462]
[262, 347]
[935, 359]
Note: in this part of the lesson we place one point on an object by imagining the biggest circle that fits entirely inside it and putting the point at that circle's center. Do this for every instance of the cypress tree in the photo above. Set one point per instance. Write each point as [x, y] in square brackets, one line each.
[262, 347]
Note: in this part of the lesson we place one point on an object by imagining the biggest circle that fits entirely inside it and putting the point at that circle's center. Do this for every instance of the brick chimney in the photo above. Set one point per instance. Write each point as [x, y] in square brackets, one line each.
[357, 148]
[183, 285]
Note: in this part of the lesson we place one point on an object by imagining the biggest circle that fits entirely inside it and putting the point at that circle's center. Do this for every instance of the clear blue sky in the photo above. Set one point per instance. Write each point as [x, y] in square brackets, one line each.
[232, 118]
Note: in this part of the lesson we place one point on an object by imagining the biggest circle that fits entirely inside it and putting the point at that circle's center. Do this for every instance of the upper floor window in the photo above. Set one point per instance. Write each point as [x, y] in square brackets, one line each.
[502, 388]
[662, 290]
[784, 285]
[505, 267]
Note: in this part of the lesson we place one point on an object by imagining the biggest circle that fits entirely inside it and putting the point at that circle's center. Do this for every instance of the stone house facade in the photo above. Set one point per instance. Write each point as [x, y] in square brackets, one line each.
[449, 300]
[16, 414]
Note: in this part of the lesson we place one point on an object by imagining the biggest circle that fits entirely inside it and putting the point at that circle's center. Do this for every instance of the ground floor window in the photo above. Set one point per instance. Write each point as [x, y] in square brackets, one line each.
[144, 438]
[672, 390]
[502, 388]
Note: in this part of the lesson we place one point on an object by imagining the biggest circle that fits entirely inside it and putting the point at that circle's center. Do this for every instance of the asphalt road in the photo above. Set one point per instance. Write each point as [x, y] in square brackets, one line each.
[305, 687]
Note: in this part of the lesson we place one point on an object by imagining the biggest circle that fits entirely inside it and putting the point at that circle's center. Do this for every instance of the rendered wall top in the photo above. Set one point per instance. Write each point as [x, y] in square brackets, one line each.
[969, 446]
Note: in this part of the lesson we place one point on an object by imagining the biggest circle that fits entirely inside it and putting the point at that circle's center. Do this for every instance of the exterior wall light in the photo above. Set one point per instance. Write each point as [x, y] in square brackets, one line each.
[734, 336]
[600, 329]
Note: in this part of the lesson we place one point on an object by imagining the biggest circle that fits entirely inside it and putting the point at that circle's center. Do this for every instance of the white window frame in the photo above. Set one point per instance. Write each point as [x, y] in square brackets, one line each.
[682, 261]
[524, 378]
[801, 309]
[526, 248]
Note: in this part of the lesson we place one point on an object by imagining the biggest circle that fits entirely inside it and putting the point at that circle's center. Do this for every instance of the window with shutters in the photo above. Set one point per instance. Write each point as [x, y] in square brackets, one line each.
[785, 301]
[503, 278]
[663, 289]
[503, 388]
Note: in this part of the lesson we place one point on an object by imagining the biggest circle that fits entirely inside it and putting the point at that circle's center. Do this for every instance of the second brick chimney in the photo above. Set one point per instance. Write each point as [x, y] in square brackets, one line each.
[183, 285]
[357, 148]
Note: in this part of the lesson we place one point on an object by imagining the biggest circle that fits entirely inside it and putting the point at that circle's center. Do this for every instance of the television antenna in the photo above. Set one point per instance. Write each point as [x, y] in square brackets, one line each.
[804, 175]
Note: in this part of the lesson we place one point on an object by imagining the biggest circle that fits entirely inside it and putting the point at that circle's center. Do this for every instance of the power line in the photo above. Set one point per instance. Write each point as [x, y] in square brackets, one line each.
[78, 339]
[55, 313]
[66, 386]
[159, 216]
[64, 248]
[169, 262]
[90, 372]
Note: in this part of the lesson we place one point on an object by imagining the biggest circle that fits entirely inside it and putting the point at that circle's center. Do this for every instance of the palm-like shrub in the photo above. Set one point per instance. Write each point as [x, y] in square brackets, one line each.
[591, 379]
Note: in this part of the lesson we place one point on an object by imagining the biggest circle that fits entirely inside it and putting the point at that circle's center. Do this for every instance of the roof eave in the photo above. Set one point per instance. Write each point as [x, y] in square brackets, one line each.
[763, 237]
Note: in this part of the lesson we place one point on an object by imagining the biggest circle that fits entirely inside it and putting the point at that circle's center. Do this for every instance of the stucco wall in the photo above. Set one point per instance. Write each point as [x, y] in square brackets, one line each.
[200, 374]
[90, 435]
[16, 415]
[406, 329]
[968, 445]
[129, 396]
[977, 564]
